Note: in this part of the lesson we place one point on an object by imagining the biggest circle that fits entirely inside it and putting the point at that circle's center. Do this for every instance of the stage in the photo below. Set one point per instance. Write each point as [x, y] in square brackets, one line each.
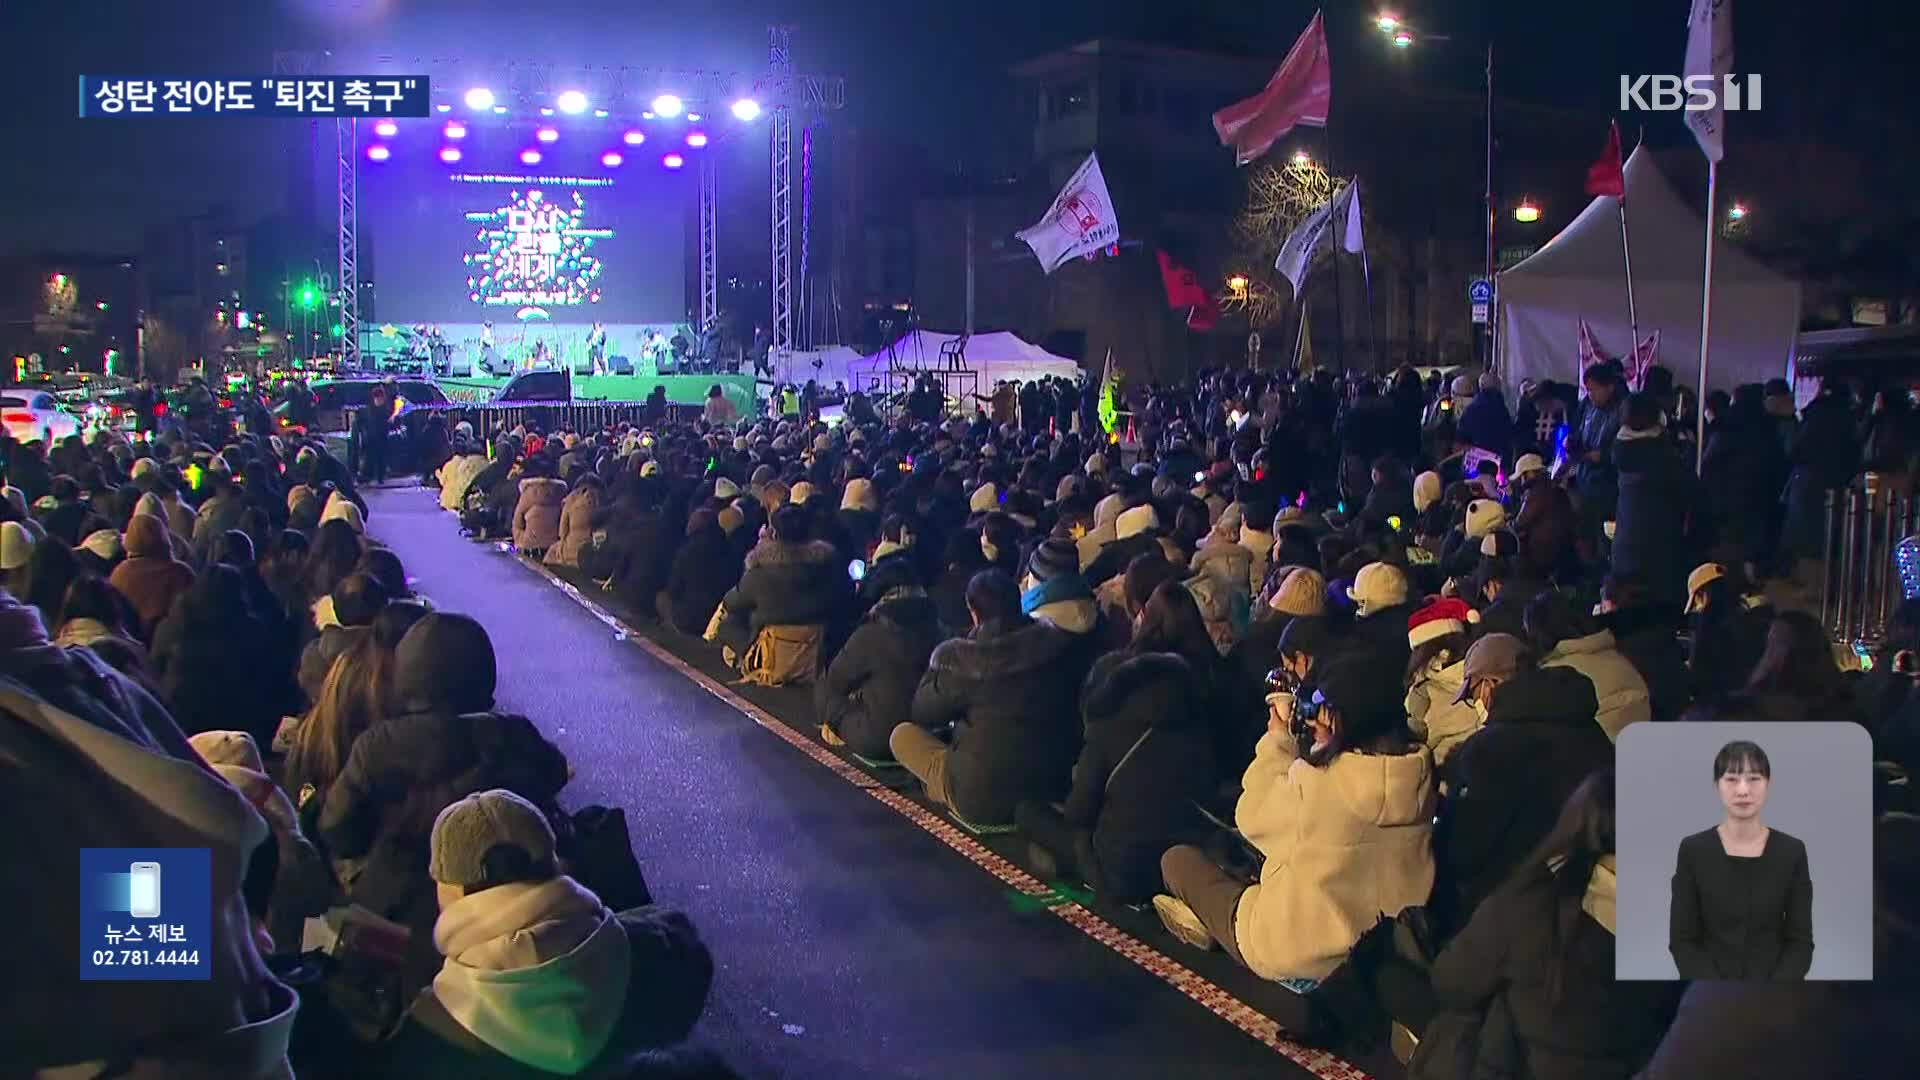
[681, 389]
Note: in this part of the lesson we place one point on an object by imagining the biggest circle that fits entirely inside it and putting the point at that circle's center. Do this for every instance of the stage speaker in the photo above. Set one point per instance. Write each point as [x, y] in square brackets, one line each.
[461, 366]
[583, 366]
[620, 365]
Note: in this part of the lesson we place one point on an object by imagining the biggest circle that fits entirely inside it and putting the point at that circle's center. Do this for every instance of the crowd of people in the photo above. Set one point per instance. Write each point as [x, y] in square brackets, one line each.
[1283, 656]
[200, 647]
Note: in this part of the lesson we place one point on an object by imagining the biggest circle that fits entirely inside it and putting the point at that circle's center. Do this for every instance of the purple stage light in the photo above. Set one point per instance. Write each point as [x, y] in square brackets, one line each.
[673, 161]
[696, 139]
[386, 129]
[648, 115]
[694, 117]
[546, 110]
[667, 105]
[635, 137]
[499, 110]
[611, 159]
[456, 130]
[601, 114]
[547, 134]
[746, 110]
[378, 153]
[529, 157]
[479, 98]
[449, 154]
[444, 107]
[572, 102]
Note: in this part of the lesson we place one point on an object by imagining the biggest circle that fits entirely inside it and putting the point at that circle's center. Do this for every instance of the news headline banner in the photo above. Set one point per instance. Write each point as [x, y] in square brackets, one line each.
[267, 95]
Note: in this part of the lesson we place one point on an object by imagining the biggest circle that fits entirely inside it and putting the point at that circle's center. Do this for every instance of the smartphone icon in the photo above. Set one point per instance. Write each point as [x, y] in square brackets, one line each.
[144, 896]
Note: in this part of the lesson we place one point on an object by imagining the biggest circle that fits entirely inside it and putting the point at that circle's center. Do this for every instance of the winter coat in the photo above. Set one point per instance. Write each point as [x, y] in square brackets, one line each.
[1742, 477]
[574, 990]
[1015, 733]
[1148, 761]
[1383, 634]
[1485, 422]
[1726, 648]
[1595, 430]
[216, 516]
[1622, 692]
[150, 578]
[218, 668]
[316, 660]
[1646, 638]
[1344, 843]
[1507, 783]
[1114, 558]
[894, 570]
[1433, 714]
[869, 687]
[786, 584]
[456, 476]
[1390, 500]
[1650, 522]
[703, 571]
[1824, 456]
[1546, 526]
[536, 516]
[1598, 1029]
[1507, 614]
[576, 529]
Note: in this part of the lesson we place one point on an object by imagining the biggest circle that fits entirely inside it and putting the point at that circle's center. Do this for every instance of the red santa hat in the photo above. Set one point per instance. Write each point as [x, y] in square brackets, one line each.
[1447, 615]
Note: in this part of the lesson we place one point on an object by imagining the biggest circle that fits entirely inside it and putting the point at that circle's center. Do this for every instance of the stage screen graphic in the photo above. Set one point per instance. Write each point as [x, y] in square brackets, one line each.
[565, 242]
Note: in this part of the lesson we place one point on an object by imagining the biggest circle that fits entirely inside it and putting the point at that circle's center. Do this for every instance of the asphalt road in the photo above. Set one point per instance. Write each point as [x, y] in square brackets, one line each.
[848, 942]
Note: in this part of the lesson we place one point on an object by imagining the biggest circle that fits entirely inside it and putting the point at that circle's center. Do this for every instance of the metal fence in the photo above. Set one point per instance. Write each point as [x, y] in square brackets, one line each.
[499, 418]
[1861, 585]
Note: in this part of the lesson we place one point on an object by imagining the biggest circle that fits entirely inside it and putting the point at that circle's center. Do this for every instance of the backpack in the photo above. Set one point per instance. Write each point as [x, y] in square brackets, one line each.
[783, 656]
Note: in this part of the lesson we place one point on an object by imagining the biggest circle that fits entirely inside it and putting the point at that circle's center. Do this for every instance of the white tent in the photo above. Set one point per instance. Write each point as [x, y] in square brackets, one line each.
[1000, 356]
[1581, 274]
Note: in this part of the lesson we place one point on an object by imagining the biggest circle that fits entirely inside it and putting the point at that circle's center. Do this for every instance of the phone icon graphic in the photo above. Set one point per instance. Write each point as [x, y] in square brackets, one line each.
[144, 895]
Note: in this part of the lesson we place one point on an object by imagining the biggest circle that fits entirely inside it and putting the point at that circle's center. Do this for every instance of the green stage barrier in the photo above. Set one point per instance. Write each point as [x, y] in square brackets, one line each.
[681, 389]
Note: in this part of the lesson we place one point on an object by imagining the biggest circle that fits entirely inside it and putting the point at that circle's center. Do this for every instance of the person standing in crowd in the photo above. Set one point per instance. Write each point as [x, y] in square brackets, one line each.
[1590, 448]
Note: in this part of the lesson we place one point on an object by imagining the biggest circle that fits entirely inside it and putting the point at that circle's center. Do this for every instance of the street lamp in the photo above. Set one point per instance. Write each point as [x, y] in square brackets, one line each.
[1237, 284]
[1301, 157]
[1526, 212]
[1402, 39]
[1737, 212]
[1387, 22]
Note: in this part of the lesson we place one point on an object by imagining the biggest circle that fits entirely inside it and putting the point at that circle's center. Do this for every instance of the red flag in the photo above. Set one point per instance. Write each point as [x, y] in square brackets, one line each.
[1185, 291]
[1604, 177]
[1300, 92]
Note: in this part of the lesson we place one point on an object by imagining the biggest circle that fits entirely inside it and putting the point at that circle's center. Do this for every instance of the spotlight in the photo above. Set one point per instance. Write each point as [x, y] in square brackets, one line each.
[667, 105]
[634, 137]
[694, 116]
[648, 115]
[673, 161]
[378, 153]
[479, 98]
[696, 139]
[572, 102]
[529, 156]
[450, 154]
[746, 109]
[456, 130]
[499, 110]
[546, 110]
[386, 129]
[443, 107]
[611, 159]
[600, 114]
[547, 135]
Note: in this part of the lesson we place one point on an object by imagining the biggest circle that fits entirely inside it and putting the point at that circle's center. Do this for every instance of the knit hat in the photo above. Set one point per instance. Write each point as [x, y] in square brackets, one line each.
[1528, 465]
[724, 489]
[1448, 615]
[986, 499]
[339, 509]
[1426, 491]
[1494, 654]
[16, 546]
[1135, 521]
[488, 834]
[104, 543]
[1053, 558]
[145, 467]
[740, 444]
[859, 495]
[1097, 465]
[800, 493]
[1302, 592]
[1703, 575]
[1462, 387]
[1484, 516]
[730, 519]
[1377, 585]
[229, 748]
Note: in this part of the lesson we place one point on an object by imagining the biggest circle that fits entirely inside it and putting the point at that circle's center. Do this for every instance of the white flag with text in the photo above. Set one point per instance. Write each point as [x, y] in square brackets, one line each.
[1297, 253]
[1081, 220]
[1710, 55]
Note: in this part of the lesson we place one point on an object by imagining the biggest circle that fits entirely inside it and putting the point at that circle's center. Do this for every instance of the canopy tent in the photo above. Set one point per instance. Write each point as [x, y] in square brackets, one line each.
[1581, 274]
[1000, 356]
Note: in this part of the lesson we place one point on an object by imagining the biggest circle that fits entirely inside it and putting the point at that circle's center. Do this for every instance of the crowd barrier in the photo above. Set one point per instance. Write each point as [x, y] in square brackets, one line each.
[1867, 569]
[500, 417]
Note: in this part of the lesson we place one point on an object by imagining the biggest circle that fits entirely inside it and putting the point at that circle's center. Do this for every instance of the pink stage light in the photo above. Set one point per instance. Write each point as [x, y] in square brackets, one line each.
[386, 129]
[529, 157]
[696, 139]
[450, 154]
[456, 130]
[611, 159]
[378, 153]
[547, 134]
[635, 137]
[673, 161]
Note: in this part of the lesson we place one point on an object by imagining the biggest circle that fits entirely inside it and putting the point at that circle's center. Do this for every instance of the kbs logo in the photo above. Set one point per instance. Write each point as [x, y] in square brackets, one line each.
[1694, 93]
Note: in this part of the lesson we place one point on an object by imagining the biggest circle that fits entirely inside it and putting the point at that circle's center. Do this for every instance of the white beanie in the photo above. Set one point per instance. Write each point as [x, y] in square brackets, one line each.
[1377, 586]
[859, 495]
[1484, 516]
[1107, 510]
[1426, 491]
[16, 546]
[339, 509]
[1136, 521]
[724, 489]
[986, 499]
[800, 493]
[103, 542]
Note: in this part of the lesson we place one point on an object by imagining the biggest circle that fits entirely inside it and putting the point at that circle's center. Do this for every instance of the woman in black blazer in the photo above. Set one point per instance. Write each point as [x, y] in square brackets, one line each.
[1742, 895]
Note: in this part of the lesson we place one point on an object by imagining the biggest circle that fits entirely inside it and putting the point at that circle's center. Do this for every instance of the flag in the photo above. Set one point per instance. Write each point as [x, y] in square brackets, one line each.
[1645, 355]
[1352, 240]
[1109, 409]
[1710, 55]
[1304, 242]
[1300, 92]
[1081, 220]
[1604, 176]
[1185, 291]
[1590, 352]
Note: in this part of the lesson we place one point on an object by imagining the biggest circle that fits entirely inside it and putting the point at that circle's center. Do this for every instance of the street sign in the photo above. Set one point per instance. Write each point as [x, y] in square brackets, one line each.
[1480, 314]
[1480, 295]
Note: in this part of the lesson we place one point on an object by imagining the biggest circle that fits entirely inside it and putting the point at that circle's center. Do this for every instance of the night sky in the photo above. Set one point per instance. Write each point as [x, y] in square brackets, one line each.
[922, 70]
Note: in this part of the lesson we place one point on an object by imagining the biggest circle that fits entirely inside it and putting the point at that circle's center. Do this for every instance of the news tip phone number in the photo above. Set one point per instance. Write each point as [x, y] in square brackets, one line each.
[145, 957]
[273, 95]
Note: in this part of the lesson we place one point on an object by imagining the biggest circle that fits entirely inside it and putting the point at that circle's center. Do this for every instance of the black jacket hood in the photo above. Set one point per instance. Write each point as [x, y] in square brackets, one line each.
[444, 663]
[1112, 685]
[1551, 695]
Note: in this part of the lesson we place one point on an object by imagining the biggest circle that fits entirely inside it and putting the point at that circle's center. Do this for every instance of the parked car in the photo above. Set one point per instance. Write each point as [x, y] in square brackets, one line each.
[31, 415]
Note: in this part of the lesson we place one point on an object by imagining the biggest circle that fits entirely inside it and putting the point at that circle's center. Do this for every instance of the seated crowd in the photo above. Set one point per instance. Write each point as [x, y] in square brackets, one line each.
[1161, 660]
[200, 647]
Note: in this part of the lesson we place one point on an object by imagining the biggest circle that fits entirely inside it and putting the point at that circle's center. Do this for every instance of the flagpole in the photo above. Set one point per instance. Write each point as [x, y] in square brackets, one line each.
[1706, 314]
[1300, 331]
[1626, 252]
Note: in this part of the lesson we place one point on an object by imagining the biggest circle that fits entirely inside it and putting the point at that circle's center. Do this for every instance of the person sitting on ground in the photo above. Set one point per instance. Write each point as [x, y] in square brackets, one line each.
[350, 611]
[1014, 730]
[1500, 587]
[859, 515]
[457, 475]
[536, 513]
[868, 690]
[1797, 678]
[441, 741]
[334, 553]
[788, 581]
[1436, 673]
[893, 564]
[704, 570]
[1537, 741]
[539, 978]
[1563, 635]
[1147, 763]
[576, 522]
[44, 579]
[1345, 825]
[95, 616]
[1382, 605]
[302, 886]
[1729, 632]
[1643, 629]
[1546, 522]
[150, 578]
[1531, 977]
[215, 663]
[1460, 551]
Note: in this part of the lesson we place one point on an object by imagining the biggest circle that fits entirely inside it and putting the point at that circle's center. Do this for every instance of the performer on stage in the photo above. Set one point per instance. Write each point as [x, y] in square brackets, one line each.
[539, 357]
[487, 354]
[597, 348]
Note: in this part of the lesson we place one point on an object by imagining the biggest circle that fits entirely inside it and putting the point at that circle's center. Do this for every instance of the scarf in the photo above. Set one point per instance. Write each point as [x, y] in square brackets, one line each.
[1054, 590]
